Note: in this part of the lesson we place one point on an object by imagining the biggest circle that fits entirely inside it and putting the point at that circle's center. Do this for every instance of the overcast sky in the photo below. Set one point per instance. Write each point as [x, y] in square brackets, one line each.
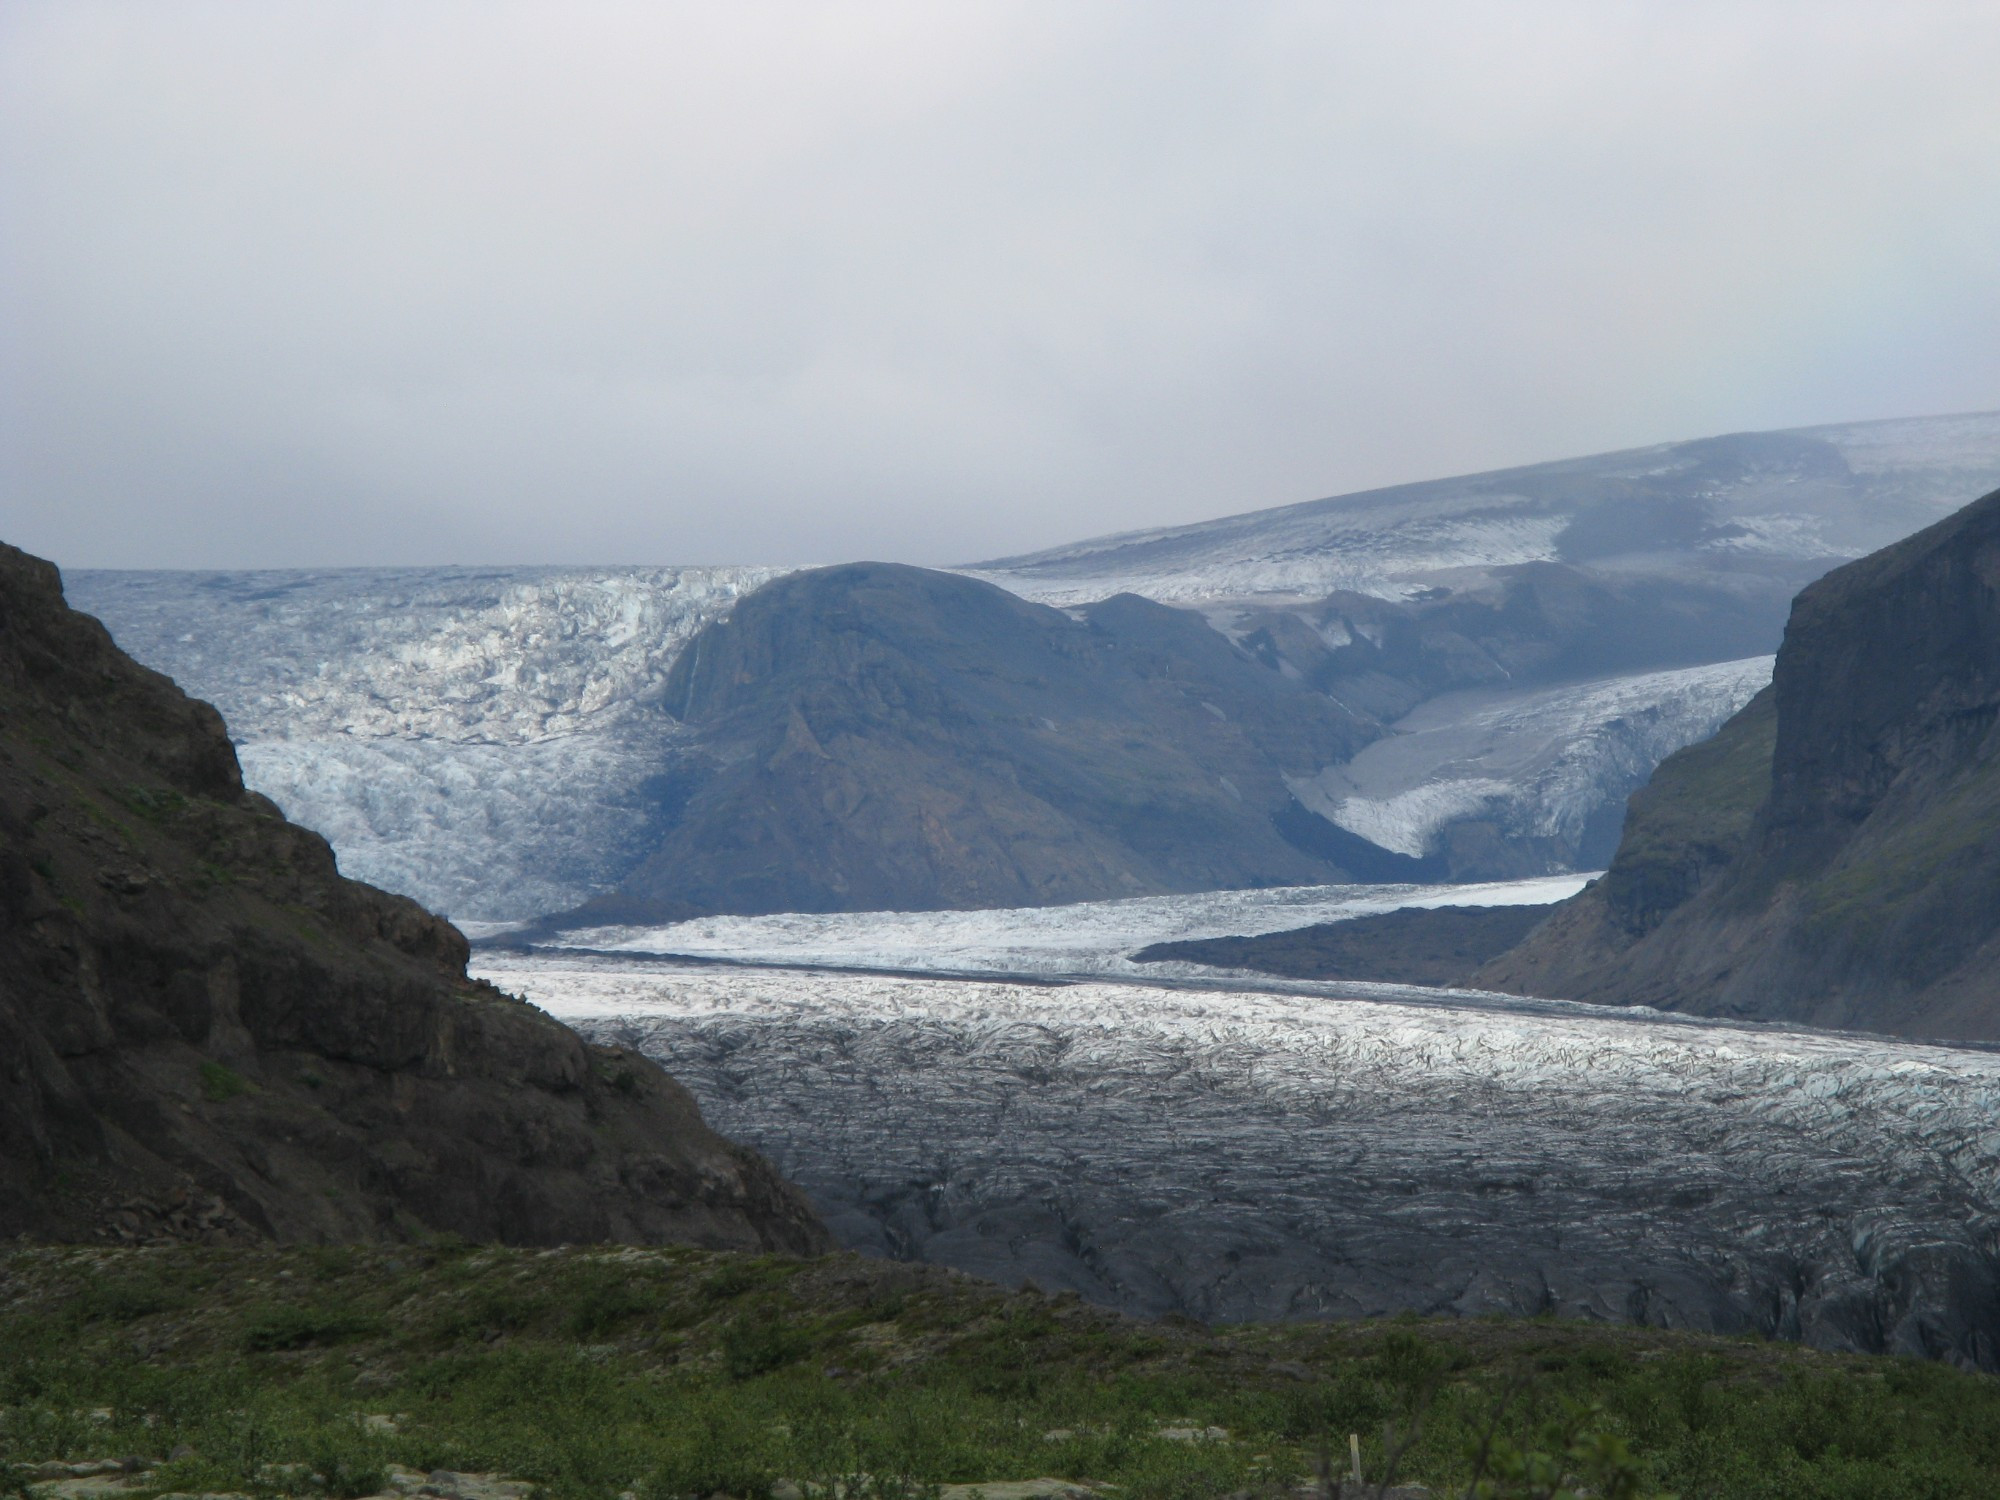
[477, 281]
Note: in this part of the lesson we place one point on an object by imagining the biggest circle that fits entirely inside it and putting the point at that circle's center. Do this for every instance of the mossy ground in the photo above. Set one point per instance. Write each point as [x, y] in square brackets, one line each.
[1692, 817]
[677, 1372]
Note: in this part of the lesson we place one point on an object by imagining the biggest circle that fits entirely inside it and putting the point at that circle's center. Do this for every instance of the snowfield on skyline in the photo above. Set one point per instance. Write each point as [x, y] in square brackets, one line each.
[492, 741]
[1900, 475]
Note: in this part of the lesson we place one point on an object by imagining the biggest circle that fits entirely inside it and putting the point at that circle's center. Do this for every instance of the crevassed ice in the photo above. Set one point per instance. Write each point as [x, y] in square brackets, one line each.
[1084, 938]
[1298, 1150]
[1538, 762]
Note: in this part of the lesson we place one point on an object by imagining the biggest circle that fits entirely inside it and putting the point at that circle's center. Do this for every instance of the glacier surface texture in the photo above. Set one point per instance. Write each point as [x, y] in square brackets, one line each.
[492, 741]
[1313, 1151]
[1234, 1150]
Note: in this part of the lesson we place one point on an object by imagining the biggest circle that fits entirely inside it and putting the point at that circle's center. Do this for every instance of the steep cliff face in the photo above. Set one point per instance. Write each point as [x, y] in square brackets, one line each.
[884, 737]
[205, 1032]
[1833, 855]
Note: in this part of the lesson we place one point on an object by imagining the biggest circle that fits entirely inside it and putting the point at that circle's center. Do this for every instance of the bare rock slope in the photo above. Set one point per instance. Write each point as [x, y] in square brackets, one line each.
[1833, 854]
[1440, 945]
[490, 740]
[205, 1032]
[887, 737]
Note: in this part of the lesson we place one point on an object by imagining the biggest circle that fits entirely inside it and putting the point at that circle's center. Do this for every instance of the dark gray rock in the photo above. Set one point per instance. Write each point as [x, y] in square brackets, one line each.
[881, 737]
[1418, 945]
[1833, 855]
[225, 1039]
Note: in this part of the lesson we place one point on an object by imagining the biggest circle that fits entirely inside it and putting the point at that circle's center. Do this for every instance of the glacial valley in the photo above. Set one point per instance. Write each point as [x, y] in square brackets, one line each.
[494, 741]
[1228, 1147]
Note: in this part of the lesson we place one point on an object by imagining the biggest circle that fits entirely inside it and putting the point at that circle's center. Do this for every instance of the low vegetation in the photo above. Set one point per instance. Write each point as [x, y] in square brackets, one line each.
[668, 1373]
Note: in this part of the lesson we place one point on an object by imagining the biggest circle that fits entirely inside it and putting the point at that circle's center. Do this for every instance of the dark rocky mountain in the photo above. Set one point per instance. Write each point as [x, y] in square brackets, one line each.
[205, 1032]
[489, 740]
[1418, 945]
[1833, 854]
[877, 737]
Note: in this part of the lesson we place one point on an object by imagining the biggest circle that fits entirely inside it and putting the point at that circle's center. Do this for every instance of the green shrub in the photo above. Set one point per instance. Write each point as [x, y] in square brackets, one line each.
[289, 1325]
[758, 1341]
[220, 1084]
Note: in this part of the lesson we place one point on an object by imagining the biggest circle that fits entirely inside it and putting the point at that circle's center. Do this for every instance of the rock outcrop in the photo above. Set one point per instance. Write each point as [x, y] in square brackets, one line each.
[1833, 854]
[206, 1032]
[885, 737]
[1534, 640]
[1416, 945]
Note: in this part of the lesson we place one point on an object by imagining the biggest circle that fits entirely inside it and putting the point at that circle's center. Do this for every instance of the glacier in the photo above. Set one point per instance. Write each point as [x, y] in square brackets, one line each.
[491, 740]
[484, 739]
[1830, 492]
[1228, 1149]
[1540, 763]
[1083, 939]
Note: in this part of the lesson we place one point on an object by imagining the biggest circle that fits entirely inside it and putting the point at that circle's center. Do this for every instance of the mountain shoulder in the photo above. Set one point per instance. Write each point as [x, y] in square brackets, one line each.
[209, 1034]
[1428, 945]
[1832, 856]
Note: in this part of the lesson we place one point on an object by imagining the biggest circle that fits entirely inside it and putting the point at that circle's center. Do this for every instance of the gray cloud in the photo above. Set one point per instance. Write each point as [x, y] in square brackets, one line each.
[455, 281]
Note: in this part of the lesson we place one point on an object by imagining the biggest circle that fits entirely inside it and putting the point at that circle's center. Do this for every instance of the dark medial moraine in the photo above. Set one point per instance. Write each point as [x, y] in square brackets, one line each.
[1433, 946]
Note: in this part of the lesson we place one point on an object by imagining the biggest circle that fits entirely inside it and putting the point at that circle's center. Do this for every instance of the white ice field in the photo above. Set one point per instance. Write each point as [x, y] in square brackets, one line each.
[1236, 1147]
[1087, 938]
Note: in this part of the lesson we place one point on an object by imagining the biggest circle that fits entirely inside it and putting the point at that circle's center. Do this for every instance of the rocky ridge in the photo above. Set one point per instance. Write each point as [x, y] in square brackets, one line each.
[1439, 945]
[491, 741]
[207, 1033]
[880, 737]
[1833, 854]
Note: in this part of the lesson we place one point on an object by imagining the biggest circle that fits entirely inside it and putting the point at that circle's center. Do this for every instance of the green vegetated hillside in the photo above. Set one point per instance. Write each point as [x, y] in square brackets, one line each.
[671, 1372]
[1833, 855]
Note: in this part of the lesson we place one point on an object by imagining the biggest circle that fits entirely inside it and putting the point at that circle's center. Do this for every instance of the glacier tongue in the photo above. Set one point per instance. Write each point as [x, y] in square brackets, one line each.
[486, 833]
[1540, 763]
[1236, 1151]
[479, 738]
[1084, 938]
[466, 655]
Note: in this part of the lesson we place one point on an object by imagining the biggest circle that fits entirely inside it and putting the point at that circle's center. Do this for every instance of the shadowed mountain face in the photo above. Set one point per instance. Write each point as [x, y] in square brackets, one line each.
[1833, 855]
[879, 737]
[1533, 641]
[1519, 627]
[205, 1032]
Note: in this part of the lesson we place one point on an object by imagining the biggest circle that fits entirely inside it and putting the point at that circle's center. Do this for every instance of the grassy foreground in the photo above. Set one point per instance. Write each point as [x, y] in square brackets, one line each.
[679, 1373]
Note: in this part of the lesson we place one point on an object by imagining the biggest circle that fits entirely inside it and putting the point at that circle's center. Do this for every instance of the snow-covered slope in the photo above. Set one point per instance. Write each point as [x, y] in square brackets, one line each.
[480, 738]
[1273, 1151]
[1715, 504]
[1547, 770]
[1085, 938]
[488, 739]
